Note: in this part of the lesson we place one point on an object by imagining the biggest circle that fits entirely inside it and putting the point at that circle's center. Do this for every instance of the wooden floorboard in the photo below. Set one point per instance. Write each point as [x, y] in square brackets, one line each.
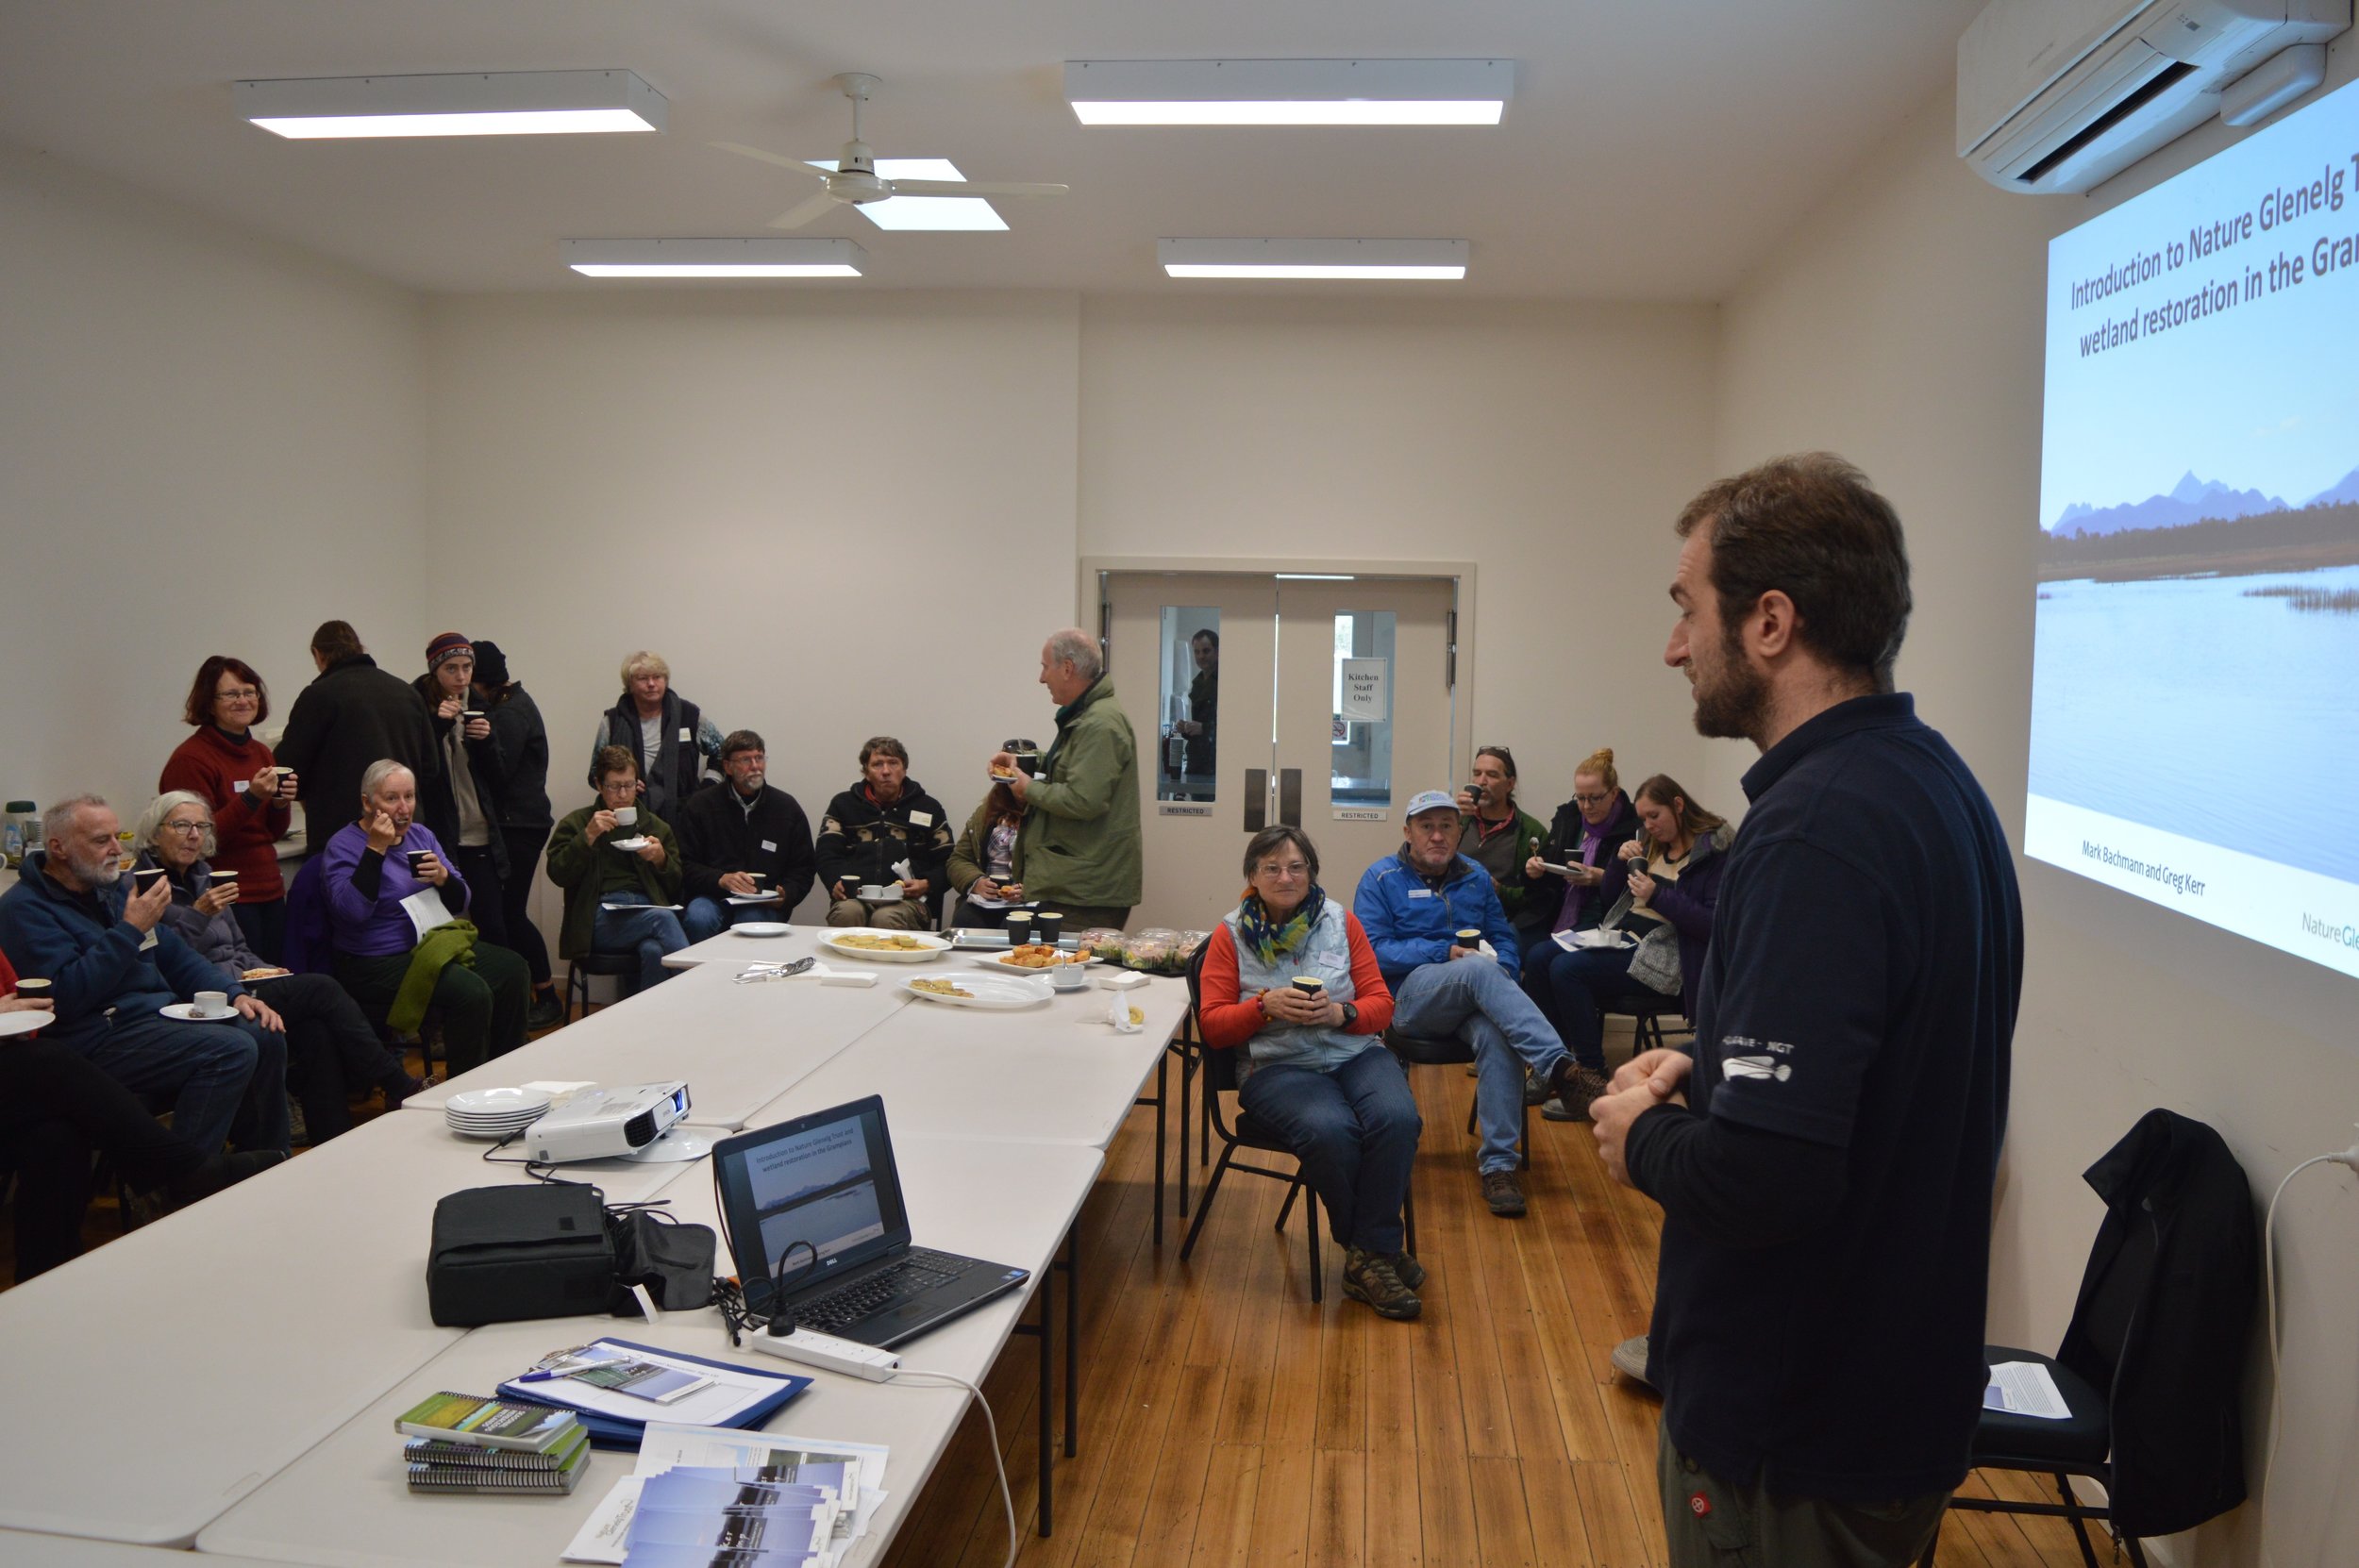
[1226, 1420]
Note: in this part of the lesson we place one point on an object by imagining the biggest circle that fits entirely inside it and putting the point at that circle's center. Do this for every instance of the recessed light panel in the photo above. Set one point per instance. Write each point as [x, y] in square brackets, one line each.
[1402, 260]
[499, 103]
[1289, 92]
[783, 256]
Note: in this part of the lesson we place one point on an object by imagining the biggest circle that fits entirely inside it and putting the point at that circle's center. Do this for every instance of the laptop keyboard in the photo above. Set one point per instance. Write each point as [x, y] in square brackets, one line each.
[916, 1271]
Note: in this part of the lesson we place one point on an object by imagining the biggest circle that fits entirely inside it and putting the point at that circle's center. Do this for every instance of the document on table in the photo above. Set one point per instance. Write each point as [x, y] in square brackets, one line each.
[778, 1459]
[2024, 1388]
[722, 1394]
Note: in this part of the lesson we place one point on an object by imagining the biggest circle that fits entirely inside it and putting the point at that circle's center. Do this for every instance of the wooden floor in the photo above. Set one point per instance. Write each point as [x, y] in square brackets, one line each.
[1224, 1419]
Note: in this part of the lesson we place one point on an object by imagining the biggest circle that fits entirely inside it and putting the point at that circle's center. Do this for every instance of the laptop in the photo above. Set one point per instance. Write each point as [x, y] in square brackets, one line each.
[828, 1180]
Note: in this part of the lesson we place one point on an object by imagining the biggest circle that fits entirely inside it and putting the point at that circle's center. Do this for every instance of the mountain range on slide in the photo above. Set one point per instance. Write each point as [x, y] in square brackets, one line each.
[2191, 500]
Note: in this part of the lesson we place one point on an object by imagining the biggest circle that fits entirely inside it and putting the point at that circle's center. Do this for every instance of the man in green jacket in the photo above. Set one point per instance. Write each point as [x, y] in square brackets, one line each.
[1080, 844]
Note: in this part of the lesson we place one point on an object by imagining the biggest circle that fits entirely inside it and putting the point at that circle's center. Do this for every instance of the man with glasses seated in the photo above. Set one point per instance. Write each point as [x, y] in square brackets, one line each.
[747, 840]
[1429, 910]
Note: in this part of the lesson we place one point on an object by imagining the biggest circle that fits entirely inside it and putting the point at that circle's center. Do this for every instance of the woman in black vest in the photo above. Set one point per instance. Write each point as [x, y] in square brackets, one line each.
[677, 747]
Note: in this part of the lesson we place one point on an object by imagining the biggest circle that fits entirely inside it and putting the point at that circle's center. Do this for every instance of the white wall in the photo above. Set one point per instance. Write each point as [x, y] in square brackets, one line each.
[209, 443]
[1900, 325]
[834, 515]
[1549, 444]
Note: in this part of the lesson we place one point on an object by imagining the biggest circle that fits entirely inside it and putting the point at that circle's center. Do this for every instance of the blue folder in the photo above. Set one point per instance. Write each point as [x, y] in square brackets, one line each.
[615, 1432]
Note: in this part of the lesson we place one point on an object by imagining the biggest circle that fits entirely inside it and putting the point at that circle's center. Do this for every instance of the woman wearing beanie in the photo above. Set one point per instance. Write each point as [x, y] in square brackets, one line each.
[461, 805]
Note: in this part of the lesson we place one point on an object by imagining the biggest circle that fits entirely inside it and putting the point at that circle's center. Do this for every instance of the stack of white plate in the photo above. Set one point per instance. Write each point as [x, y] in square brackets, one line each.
[494, 1112]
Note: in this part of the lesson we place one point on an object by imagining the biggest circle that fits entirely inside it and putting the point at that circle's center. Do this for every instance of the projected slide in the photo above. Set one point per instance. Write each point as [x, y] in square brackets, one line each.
[2195, 702]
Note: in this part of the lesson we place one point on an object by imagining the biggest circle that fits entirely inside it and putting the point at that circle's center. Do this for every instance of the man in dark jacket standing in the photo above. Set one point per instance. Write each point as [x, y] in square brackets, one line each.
[1825, 1157]
[349, 717]
[747, 840]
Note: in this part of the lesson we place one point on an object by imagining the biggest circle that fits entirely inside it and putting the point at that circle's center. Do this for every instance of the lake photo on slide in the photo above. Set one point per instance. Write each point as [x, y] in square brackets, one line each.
[2223, 708]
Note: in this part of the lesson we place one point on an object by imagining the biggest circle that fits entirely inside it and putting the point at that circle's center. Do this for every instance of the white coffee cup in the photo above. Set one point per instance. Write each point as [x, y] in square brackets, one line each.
[626, 816]
[210, 1004]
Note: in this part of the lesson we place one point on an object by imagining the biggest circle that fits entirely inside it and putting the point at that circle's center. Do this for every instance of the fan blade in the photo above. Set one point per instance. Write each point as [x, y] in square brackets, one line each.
[961, 187]
[803, 211]
[795, 164]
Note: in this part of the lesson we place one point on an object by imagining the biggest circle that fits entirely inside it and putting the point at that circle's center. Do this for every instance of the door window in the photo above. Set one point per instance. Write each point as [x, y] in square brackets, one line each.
[1359, 756]
[1188, 711]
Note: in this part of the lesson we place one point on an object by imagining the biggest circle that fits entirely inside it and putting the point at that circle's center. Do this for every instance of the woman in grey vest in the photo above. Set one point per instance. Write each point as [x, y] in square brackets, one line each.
[1314, 1069]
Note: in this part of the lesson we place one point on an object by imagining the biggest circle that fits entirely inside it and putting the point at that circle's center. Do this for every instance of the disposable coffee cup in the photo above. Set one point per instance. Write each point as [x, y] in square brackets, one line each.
[148, 876]
[417, 861]
[32, 990]
[471, 714]
[219, 876]
[1470, 937]
[757, 876]
[1019, 926]
[1047, 926]
[210, 1004]
[1310, 985]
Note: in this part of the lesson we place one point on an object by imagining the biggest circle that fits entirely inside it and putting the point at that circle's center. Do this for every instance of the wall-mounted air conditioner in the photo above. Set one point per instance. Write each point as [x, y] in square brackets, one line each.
[2061, 94]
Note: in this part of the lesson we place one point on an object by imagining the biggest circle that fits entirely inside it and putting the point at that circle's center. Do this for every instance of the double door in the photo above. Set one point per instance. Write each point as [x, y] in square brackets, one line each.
[1325, 701]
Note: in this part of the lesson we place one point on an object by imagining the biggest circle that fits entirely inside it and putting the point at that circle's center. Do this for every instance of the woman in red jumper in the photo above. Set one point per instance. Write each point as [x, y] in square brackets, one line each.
[235, 774]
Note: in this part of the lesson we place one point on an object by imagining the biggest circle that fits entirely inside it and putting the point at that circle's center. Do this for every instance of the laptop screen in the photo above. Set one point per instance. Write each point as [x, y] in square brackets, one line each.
[827, 1180]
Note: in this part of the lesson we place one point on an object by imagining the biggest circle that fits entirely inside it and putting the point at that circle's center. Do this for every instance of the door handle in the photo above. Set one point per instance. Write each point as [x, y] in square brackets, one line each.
[1256, 799]
[1290, 796]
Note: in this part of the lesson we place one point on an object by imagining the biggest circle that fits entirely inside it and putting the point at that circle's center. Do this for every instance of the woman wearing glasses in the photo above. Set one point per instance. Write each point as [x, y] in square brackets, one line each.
[1315, 1069]
[240, 783]
[331, 1051]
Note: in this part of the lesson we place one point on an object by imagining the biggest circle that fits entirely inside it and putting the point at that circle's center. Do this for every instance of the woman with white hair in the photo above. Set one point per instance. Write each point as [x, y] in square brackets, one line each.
[397, 967]
[677, 747]
[331, 1051]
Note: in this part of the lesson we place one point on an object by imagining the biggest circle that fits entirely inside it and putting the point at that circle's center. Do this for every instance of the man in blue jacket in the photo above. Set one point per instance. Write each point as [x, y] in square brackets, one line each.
[113, 965]
[1413, 906]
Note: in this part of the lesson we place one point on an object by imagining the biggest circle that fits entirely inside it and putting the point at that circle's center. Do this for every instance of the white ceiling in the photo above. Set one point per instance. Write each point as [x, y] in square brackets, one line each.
[1653, 150]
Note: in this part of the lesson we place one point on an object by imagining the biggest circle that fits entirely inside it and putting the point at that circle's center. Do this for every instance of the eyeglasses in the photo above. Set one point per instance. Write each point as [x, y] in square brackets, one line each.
[756, 758]
[187, 827]
[1591, 800]
[1285, 873]
[238, 693]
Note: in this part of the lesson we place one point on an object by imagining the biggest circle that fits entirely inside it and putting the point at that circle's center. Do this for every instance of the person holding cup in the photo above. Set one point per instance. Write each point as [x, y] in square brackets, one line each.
[749, 840]
[1290, 979]
[461, 802]
[887, 819]
[615, 859]
[113, 966]
[399, 954]
[982, 865]
[332, 1053]
[250, 796]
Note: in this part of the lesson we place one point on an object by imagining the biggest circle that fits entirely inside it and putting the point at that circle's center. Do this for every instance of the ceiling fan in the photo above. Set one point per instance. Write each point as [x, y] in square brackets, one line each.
[855, 179]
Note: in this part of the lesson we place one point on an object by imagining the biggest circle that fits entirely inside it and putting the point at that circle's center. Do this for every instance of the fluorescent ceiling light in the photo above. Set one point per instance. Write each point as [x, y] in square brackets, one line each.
[1289, 92]
[497, 103]
[1314, 577]
[924, 213]
[1407, 259]
[783, 256]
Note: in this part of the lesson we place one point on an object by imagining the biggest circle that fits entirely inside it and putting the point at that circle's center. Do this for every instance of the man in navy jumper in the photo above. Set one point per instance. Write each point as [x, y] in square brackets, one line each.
[111, 965]
[1825, 1156]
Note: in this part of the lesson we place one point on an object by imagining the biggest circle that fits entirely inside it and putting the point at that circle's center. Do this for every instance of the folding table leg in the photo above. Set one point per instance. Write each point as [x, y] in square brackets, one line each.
[1162, 1059]
[1073, 1332]
[1048, 1343]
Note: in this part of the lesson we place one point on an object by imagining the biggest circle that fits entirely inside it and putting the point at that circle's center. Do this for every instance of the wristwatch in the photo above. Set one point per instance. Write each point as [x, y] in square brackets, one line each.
[1351, 1014]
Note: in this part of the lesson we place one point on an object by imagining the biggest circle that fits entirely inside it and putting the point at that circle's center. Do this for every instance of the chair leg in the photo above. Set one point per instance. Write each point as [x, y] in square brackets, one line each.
[1523, 1146]
[2080, 1531]
[1933, 1543]
[1293, 1190]
[1319, 1267]
[1409, 1221]
[1204, 1204]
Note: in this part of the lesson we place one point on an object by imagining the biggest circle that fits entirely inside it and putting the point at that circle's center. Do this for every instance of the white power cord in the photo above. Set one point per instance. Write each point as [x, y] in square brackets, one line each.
[1007, 1498]
[2349, 1158]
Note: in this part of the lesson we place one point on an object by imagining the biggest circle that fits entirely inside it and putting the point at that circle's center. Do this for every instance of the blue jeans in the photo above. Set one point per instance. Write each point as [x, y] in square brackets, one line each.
[1477, 1001]
[1355, 1129]
[709, 917]
[649, 933]
[1572, 990]
[204, 1070]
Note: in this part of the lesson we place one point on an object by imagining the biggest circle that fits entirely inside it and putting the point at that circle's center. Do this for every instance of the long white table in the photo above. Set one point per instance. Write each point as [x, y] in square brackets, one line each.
[19, 1549]
[344, 1503]
[737, 1046]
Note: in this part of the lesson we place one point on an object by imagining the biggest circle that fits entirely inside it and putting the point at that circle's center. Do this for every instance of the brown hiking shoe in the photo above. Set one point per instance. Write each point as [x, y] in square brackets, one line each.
[1411, 1271]
[1503, 1193]
[1369, 1276]
[1577, 1088]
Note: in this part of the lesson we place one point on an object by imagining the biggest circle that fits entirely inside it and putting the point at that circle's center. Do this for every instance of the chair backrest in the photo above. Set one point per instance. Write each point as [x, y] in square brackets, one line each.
[309, 944]
[1217, 1069]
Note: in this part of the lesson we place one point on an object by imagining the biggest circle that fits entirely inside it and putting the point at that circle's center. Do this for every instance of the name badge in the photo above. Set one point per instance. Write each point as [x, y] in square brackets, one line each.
[769, 847]
[1420, 892]
[921, 819]
[687, 736]
[241, 786]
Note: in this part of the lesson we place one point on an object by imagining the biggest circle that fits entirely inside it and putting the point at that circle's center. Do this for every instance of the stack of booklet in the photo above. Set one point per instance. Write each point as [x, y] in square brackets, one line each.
[467, 1443]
